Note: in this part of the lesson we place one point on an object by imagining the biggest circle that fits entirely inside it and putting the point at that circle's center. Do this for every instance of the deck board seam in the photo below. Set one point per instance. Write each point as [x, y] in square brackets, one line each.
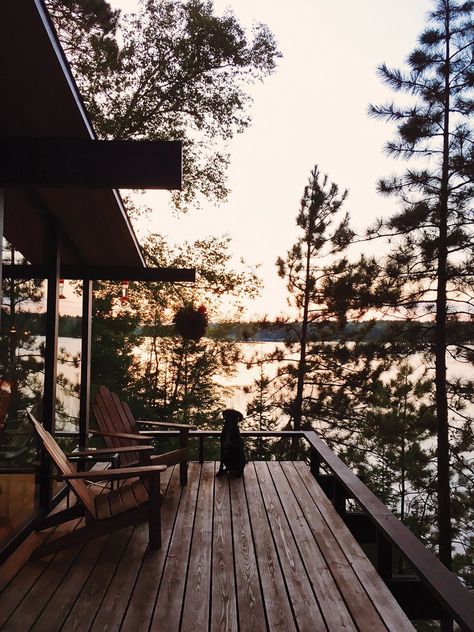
[332, 566]
[158, 584]
[290, 601]
[31, 587]
[262, 593]
[276, 552]
[209, 613]
[343, 550]
[168, 485]
[189, 550]
[50, 600]
[232, 537]
[298, 547]
[329, 566]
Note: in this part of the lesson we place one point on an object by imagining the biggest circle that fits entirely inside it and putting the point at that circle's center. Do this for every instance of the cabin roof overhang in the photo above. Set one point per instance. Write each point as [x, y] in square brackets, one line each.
[40, 112]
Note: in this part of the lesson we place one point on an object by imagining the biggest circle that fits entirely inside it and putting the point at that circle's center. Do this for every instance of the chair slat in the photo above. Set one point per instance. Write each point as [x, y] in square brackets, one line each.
[128, 498]
[140, 492]
[115, 502]
[102, 506]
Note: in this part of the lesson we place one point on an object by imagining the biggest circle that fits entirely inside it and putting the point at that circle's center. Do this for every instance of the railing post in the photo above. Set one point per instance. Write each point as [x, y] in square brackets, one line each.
[314, 463]
[384, 556]
[340, 498]
[201, 449]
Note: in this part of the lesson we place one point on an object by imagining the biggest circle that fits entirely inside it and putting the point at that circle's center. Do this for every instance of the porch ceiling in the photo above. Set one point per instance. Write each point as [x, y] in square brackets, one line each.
[41, 100]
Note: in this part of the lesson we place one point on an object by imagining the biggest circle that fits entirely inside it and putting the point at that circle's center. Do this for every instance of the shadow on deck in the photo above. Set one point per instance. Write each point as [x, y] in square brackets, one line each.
[266, 552]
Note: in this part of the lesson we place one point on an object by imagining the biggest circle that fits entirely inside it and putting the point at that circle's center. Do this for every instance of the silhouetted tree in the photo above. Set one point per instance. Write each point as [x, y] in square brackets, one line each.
[303, 270]
[174, 70]
[431, 262]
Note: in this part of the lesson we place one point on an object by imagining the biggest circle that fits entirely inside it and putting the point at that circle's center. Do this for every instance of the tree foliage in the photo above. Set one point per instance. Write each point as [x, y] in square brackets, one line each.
[430, 263]
[175, 70]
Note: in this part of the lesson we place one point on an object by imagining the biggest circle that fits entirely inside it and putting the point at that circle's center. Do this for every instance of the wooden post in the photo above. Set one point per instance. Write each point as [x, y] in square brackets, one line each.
[183, 467]
[50, 361]
[315, 463]
[86, 336]
[340, 497]
[384, 556]
[201, 449]
[154, 508]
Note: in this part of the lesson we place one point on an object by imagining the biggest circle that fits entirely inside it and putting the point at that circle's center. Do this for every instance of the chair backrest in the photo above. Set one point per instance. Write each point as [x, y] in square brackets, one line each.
[64, 466]
[113, 415]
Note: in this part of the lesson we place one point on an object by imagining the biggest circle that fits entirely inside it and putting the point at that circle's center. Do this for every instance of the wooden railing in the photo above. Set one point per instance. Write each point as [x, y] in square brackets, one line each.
[433, 592]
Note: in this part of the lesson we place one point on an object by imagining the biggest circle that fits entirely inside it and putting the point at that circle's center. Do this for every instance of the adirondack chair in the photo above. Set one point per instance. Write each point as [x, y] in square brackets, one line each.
[118, 427]
[135, 502]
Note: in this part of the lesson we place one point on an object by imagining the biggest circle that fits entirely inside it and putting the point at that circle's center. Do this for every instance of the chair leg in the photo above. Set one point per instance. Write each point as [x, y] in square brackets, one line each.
[154, 509]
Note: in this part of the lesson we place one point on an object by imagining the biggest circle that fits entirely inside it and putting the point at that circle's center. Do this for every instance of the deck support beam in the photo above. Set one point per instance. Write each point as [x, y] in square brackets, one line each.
[86, 344]
[50, 362]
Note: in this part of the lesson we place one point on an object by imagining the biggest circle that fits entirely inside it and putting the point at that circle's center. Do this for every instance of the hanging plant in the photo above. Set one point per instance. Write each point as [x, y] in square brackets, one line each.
[191, 323]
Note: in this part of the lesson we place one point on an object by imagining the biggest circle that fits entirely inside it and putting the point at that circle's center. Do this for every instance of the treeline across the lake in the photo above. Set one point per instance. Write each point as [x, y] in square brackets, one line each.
[266, 330]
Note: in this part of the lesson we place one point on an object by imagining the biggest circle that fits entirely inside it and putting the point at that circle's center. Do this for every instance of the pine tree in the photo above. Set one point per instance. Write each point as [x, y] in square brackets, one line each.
[304, 274]
[431, 262]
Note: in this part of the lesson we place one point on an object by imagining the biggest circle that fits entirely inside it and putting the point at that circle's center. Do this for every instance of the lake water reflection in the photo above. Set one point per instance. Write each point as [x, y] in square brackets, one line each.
[244, 376]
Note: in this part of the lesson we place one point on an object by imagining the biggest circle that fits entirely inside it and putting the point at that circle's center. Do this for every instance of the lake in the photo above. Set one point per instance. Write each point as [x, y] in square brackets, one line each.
[243, 376]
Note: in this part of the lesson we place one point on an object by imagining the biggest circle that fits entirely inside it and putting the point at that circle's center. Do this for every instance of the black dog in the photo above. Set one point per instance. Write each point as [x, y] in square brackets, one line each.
[232, 446]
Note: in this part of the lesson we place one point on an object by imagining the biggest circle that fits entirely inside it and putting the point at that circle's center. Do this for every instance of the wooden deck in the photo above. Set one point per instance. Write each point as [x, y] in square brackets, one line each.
[267, 552]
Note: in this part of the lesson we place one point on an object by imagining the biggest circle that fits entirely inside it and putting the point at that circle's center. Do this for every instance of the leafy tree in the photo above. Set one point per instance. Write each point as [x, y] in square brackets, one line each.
[173, 71]
[169, 376]
[433, 237]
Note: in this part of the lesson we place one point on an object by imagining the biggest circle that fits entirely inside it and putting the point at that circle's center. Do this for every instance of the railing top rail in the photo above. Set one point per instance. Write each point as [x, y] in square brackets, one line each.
[445, 585]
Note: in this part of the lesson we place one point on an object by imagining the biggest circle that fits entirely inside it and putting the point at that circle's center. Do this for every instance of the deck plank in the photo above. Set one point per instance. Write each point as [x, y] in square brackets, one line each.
[168, 606]
[144, 592]
[330, 601]
[224, 596]
[251, 611]
[90, 598]
[59, 606]
[25, 580]
[305, 606]
[261, 553]
[114, 604]
[388, 609]
[196, 607]
[277, 604]
[359, 604]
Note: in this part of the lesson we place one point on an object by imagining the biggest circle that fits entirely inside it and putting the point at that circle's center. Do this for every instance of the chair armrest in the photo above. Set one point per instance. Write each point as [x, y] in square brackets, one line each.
[114, 473]
[120, 435]
[165, 424]
[118, 450]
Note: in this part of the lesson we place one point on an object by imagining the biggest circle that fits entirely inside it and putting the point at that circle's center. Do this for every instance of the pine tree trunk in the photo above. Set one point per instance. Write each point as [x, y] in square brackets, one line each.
[444, 502]
[298, 402]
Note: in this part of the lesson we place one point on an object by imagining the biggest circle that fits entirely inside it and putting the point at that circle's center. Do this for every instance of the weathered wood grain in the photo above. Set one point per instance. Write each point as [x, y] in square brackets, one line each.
[330, 600]
[224, 597]
[197, 599]
[277, 604]
[388, 610]
[251, 611]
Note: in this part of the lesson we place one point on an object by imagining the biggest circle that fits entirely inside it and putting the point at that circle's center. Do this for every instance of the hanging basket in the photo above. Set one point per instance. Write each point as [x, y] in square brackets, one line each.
[191, 323]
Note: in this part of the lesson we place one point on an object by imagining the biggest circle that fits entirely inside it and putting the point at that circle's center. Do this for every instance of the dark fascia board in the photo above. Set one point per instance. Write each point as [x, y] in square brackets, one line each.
[59, 162]
[101, 273]
[64, 64]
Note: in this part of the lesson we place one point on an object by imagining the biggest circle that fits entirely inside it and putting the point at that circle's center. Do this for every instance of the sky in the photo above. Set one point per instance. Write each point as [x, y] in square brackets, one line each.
[312, 110]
